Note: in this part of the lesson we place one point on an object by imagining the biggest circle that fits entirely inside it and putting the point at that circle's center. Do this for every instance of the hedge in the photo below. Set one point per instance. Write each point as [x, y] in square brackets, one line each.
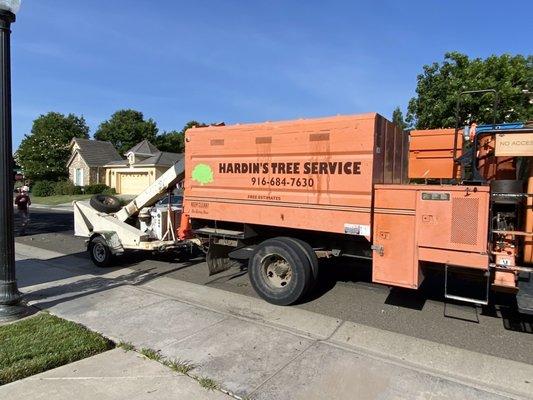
[43, 188]
[66, 188]
[97, 188]
[49, 188]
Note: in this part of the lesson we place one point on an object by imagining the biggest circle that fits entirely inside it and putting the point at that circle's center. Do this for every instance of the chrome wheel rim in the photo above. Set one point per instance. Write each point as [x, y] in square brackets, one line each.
[276, 271]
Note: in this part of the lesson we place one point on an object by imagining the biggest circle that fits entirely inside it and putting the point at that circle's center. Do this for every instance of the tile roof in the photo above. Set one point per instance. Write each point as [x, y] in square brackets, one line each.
[95, 152]
[144, 147]
[161, 158]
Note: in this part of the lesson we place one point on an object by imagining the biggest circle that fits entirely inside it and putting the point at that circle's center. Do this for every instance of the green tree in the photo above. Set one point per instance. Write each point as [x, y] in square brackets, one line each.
[174, 141]
[397, 118]
[125, 129]
[440, 83]
[171, 141]
[43, 153]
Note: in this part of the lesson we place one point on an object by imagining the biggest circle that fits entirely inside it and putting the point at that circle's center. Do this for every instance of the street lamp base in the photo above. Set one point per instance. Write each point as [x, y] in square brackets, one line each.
[13, 312]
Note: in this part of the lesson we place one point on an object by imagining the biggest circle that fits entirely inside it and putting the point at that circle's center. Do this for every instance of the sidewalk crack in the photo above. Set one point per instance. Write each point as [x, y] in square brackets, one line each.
[312, 343]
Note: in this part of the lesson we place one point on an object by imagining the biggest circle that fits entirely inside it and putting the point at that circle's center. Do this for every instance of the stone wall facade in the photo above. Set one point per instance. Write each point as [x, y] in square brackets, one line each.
[76, 163]
[91, 175]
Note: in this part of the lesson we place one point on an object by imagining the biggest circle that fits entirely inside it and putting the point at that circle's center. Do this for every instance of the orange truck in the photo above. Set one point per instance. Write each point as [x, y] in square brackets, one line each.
[283, 195]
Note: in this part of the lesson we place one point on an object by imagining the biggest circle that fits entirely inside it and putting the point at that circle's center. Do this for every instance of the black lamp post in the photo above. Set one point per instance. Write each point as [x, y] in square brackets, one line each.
[11, 306]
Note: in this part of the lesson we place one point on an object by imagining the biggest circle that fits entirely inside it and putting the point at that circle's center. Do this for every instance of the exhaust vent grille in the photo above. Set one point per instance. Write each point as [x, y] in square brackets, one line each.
[464, 220]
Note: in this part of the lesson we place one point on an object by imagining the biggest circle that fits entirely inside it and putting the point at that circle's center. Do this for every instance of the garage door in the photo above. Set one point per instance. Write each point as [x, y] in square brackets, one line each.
[132, 182]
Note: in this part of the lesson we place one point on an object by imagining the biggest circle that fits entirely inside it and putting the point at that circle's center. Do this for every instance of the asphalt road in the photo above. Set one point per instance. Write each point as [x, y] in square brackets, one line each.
[345, 291]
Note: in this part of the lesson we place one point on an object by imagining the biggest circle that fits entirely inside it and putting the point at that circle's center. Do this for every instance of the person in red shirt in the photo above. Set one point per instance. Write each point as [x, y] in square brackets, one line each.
[23, 202]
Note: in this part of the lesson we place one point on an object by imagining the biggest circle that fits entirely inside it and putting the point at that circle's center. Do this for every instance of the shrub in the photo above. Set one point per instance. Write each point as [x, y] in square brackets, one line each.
[43, 188]
[97, 188]
[109, 191]
[64, 188]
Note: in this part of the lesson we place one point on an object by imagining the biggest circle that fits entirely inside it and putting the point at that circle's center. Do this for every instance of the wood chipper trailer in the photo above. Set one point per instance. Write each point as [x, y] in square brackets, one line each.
[285, 194]
[112, 229]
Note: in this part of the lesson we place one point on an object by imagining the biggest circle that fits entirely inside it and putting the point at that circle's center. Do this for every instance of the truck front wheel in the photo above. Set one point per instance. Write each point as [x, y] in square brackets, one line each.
[280, 271]
[99, 252]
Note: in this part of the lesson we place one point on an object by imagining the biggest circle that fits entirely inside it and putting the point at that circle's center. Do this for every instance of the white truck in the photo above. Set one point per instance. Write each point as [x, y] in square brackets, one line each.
[112, 229]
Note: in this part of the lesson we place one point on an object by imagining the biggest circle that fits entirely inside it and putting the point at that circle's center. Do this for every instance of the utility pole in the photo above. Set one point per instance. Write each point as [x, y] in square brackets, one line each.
[11, 306]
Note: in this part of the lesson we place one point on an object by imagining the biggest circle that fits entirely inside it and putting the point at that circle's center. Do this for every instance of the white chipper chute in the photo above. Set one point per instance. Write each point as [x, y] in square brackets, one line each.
[139, 225]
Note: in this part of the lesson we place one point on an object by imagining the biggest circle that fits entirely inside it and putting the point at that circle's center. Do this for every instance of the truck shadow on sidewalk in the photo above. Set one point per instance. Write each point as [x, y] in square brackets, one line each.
[46, 283]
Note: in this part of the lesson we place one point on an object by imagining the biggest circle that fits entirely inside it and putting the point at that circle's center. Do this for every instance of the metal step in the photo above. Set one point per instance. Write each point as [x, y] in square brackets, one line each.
[226, 233]
[524, 297]
[482, 301]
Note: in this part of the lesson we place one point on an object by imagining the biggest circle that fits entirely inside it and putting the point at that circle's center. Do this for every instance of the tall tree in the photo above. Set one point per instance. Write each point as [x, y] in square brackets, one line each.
[43, 153]
[174, 141]
[440, 83]
[125, 129]
[397, 118]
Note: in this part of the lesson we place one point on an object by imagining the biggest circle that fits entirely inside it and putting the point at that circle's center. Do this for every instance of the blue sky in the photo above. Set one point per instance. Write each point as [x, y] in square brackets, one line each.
[242, 61]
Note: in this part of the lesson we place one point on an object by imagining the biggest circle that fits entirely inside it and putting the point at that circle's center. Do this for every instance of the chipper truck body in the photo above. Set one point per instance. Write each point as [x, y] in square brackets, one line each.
[282, 195]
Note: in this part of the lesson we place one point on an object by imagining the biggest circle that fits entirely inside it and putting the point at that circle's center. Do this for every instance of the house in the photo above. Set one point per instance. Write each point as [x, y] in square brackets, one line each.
[144, 163]
[87, 160]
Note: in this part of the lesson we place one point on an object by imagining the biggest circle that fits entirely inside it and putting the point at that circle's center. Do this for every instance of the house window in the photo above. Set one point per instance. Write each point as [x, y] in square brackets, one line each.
[78, 177]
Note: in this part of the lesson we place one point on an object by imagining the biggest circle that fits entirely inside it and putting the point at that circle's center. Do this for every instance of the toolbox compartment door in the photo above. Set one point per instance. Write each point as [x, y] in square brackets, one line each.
[394, 261]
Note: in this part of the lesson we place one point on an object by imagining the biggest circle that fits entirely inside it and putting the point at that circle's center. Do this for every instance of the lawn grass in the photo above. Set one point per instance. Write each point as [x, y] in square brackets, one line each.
[43, 342]
[59, 199]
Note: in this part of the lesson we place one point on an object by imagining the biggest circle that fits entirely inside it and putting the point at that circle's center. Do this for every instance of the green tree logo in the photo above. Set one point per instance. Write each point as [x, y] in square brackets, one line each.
[203, 174]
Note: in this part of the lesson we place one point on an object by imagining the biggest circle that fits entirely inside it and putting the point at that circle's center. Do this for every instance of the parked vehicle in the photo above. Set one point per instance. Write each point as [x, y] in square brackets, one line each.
[176, 202]
[283, 195]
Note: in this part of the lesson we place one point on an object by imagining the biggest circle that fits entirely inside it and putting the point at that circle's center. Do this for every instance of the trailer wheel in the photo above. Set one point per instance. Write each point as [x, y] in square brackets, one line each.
[218, 260]
[280, 271]
[105, 203]
[99, 252]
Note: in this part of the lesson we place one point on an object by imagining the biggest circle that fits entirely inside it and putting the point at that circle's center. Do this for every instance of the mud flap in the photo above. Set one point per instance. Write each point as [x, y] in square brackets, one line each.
[218, 260]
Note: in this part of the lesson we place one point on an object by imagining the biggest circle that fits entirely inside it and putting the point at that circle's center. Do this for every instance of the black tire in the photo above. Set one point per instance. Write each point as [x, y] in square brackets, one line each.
[105, 203]
[310, 253]
[277, 287]
[218, 260]
[99, 252]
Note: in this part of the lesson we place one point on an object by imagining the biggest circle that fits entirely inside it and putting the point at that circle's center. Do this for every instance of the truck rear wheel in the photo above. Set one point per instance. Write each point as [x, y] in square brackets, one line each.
[311, 256]
[99, 252]
[217, 259]
[280, 271]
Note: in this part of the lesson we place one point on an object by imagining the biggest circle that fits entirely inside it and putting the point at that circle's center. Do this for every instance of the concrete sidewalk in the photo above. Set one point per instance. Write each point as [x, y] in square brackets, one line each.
[113, 375]
[254, 349]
